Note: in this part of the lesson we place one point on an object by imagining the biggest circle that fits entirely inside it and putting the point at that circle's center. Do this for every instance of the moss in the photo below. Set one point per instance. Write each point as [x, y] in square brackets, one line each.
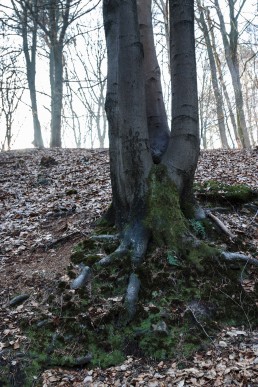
[106, 359]
[221, 192]
[198, 228]
[165, 217]
[199, 254]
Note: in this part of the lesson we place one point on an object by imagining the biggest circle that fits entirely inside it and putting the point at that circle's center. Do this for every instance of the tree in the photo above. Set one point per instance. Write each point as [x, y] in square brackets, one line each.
[54, 18]
[29, 31]
[214, 77]
[89, 79]
[11, 91]
[222, 81]
[230, 42]
[153, 202]
[134, 176]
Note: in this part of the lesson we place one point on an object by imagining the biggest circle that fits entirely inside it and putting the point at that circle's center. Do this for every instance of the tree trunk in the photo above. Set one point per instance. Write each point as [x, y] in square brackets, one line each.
[214, 78]
[183, 150]
[155, 108]
[56, 77]
[222, 82]
[231, 55]
[31, 69]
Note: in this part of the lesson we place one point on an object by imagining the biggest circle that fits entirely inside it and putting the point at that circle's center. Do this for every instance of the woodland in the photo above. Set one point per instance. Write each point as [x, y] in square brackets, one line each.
[136, 264]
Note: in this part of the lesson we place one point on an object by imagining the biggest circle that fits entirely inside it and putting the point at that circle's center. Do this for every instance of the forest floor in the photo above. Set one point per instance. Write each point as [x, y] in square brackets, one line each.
[49, 201]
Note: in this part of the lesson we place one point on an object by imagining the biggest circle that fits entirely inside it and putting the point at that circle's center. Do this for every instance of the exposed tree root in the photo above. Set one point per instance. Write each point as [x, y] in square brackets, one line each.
[131, 297]
[134, 243]
[82, 278]
[238, 257]
[119, 253]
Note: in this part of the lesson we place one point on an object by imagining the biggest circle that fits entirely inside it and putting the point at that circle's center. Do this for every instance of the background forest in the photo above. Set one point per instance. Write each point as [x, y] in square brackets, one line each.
[53, 72]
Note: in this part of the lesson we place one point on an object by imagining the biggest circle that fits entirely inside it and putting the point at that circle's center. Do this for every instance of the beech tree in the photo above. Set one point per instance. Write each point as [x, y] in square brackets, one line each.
[147, 163]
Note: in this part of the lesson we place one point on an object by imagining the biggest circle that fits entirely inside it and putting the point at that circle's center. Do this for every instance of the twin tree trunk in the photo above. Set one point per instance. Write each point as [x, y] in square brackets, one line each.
[138, 130]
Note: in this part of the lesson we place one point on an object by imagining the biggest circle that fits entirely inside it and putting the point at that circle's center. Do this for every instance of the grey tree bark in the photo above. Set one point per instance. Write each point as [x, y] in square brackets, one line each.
[231, 54]
[155, 108]
[214, 78]
[130, 158]
[222, 82]
[184, 145]
[56, 37]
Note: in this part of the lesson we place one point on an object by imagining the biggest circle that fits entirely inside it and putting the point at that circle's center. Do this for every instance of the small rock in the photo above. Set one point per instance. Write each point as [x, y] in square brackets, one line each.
[88, 379]
[223, 344]
[159, 376]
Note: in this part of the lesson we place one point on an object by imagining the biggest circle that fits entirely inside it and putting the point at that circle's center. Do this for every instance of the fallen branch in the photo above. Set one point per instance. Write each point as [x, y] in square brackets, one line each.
[221, 225]
[62, 239]
[105, 237]
[218, 209]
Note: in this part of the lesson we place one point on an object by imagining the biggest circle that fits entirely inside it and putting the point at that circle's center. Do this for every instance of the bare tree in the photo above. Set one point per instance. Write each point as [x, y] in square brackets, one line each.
[89, 79]
[230, 42]
[11, 91]
[215, 83]
[28, 28]
[54, 18]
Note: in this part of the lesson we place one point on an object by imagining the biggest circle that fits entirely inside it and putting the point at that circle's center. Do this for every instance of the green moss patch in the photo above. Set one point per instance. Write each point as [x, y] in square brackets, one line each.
[216, 191]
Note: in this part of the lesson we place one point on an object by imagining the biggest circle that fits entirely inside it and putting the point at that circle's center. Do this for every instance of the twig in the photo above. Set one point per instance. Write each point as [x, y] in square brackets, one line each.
[253, 218]
[220, 224]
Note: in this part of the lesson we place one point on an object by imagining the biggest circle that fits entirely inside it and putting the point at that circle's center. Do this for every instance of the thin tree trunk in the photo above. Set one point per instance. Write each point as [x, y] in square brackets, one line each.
[31, 68]
[214, 78]
[233, 65]
[222, 82]
[56, 96]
